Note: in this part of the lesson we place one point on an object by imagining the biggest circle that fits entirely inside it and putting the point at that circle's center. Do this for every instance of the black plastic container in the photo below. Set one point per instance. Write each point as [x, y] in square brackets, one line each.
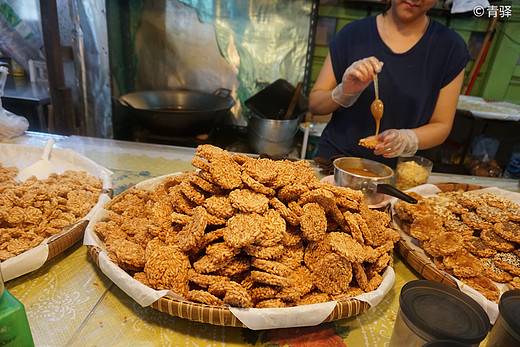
[273, 101]
[431, 311]
[506, 331]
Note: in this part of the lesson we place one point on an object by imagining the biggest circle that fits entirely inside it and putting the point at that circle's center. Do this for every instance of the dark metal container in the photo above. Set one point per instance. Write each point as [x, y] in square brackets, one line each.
[506, 331]
[430, 311]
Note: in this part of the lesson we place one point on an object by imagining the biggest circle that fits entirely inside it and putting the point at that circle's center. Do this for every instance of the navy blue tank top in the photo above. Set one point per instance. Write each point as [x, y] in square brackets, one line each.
[409, 84]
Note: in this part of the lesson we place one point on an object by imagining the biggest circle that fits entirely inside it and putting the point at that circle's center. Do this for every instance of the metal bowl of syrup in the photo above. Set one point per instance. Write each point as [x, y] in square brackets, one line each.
[369, 176]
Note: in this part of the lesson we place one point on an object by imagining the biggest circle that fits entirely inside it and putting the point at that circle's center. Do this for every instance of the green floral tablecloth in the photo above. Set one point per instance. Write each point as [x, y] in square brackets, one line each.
[69, 301]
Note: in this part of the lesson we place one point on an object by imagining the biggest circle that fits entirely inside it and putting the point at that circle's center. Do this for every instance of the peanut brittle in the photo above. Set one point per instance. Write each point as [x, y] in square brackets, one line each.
[514, 283]
[476, 246]
[484, 285]
[486, 247]
[249, 232]
[463, 264]
[493, 272]
[370, 142]
[508, 262]
[508, 230]
[445, 243]
[495, 241]
[36, 209]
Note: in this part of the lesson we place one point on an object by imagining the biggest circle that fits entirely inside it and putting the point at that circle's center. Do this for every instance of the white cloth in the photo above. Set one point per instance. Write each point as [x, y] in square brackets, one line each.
[459, 6]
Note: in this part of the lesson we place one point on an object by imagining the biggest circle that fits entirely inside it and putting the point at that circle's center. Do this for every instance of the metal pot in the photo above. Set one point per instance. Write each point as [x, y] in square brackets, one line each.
[373, 188]
[178, 112]
[272, 136]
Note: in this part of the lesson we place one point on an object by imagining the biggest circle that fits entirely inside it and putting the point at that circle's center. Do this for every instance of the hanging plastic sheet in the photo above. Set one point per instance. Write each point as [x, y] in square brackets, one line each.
[20, 33]
[82, 26]
[89, 40]
[206, 45]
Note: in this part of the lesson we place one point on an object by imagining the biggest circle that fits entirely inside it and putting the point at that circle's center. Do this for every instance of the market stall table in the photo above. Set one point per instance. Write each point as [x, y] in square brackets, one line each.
[69, 301]
[479, 118]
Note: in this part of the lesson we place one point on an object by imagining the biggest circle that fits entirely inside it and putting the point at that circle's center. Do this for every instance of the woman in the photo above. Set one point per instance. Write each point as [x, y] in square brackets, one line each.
[420, 68]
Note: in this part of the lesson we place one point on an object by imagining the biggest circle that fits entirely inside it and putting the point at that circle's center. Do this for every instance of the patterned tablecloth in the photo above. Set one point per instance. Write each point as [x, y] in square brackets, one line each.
[69, 301]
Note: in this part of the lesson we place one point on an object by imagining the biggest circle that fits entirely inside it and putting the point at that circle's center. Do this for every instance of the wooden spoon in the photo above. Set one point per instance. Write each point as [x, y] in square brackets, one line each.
[294, 101]
[377, 106]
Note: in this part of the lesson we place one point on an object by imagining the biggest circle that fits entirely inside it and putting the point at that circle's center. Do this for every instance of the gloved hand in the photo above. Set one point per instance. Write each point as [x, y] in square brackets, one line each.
[344, 99]
[395, 143]
[355, 79]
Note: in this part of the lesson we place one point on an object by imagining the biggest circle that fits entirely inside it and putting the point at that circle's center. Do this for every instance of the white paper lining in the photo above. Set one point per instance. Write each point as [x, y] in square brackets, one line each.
[426, 190]
[253, 318]
[62, 159]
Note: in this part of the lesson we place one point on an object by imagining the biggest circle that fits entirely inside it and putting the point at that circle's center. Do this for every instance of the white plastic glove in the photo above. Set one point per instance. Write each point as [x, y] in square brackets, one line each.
[355, 79]
[395, 143]
[345, 100]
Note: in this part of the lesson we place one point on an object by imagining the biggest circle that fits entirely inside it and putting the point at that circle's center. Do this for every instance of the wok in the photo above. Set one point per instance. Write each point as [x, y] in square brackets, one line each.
[178, 112]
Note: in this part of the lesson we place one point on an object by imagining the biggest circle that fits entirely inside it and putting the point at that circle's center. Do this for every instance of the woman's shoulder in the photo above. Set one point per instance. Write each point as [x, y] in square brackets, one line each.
[355, 32]
[442, 33]
[358, 26]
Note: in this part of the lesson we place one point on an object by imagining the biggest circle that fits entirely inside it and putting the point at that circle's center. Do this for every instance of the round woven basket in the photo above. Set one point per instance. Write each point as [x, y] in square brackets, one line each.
[66, 238]
[417, 261]
[219, 315]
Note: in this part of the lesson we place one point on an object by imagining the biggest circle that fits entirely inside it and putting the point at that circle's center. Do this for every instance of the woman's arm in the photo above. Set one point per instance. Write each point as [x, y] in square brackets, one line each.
[438, 129]
[355, 79]
[320, 99]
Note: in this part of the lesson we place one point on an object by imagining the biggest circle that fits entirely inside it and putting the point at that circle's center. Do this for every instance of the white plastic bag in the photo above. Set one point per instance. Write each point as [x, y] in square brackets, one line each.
[11, 125]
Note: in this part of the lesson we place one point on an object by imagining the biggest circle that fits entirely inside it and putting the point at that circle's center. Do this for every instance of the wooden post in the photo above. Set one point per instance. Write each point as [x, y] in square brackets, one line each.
[470, 79]
[61, 95]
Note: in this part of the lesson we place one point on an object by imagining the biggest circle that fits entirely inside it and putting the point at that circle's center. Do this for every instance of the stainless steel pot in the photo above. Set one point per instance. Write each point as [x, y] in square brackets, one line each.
[373, 188]
[178, 112]
[272, 136]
